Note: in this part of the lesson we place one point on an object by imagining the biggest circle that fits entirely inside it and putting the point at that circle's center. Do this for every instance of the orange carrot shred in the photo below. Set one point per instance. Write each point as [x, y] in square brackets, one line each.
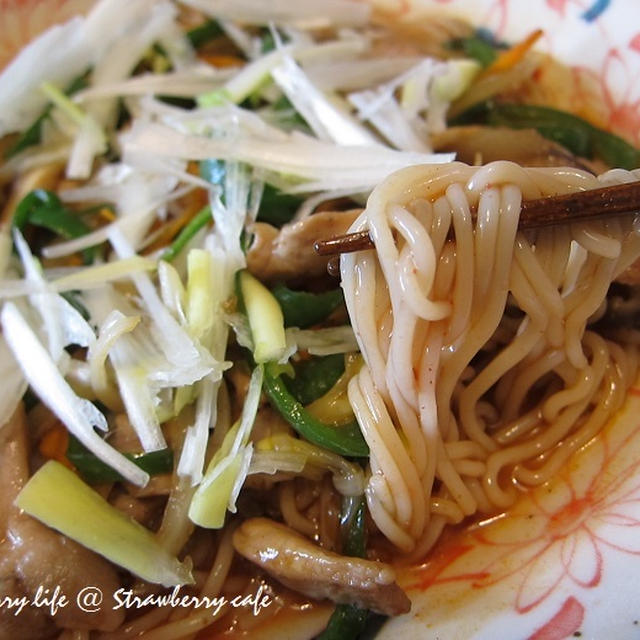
[507, 59]
[221, 60]
[54, 443]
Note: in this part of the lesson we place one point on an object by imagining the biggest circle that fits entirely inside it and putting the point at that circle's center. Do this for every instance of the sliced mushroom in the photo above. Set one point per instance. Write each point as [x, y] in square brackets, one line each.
[287, 253]
[301, 565]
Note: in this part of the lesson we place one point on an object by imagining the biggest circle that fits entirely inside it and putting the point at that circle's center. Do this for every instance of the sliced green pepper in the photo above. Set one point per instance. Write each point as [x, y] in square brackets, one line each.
[314, 377]
[352, 522]
[277, 208]
[203, 33]
[347, 440]
[303, 309]
[572, 132]
[94, 471]
[195, 224]
[481, 46]
[44, 209]
[349, 621]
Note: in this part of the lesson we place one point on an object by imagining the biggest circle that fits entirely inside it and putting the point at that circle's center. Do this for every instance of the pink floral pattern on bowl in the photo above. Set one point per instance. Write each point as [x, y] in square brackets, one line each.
[565, 561]
[565, 556]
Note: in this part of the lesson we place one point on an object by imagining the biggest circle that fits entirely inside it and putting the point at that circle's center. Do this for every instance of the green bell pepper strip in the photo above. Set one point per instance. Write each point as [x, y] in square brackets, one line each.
[94, 471]
[194, 225]
[349, 621]
[303, 309]
[276, 207]
[481, 47]
[352, 521]
[347, 440]
[314, 377]
[572, 132]
[203, 33]
[44, 209]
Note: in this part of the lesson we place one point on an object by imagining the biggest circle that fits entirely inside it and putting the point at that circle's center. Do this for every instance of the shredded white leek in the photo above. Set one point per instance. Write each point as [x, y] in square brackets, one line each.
[317, 165]
[100, 274]
[185, 83]
[172, 290]
[90, 139]
[78, 414]
[246, 81]
[229, 466]
[13, 382]
[265, 319]
[271, 462]
[301, 13]
[322, 342]
[114, 326]
[63, 325]
[348, 477]
[326, 120]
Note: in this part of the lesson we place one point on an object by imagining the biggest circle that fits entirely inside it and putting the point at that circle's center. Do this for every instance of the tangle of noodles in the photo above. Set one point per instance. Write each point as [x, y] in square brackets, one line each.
[481, 373]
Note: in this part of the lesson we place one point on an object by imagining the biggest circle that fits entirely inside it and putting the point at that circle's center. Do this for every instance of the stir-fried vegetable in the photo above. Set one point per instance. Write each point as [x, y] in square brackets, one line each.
[205, 32]
[199, 221]
[265, 319]
[481, 46]
[334, 407]
[33, 134]
[229, 466]
[314, 377]
[573, 132]
[348, 621]
[346, 440]
[59, 498]
[304, 309]
[348, 477]
[277, 208]
[43, 208]
[94, 471]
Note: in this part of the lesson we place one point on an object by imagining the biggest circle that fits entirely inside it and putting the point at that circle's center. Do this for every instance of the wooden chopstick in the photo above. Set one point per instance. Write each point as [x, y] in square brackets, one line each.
[582, 206]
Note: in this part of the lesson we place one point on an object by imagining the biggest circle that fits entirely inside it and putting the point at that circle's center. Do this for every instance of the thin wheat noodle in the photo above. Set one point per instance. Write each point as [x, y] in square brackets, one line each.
[479, 375]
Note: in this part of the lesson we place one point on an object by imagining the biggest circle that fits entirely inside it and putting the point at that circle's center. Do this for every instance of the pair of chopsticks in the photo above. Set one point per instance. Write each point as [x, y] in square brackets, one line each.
[582, 206]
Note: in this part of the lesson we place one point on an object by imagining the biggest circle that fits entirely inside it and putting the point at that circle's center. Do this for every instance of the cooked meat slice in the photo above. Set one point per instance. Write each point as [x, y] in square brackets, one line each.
[526, 147]
[17, 618]
[44, 558]
[34, 556]
[14, 467]
[287, 253]
[301, 565]
[30, 622]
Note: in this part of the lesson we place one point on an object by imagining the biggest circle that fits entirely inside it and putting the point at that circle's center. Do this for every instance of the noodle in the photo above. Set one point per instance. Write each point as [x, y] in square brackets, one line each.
[487, 343]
